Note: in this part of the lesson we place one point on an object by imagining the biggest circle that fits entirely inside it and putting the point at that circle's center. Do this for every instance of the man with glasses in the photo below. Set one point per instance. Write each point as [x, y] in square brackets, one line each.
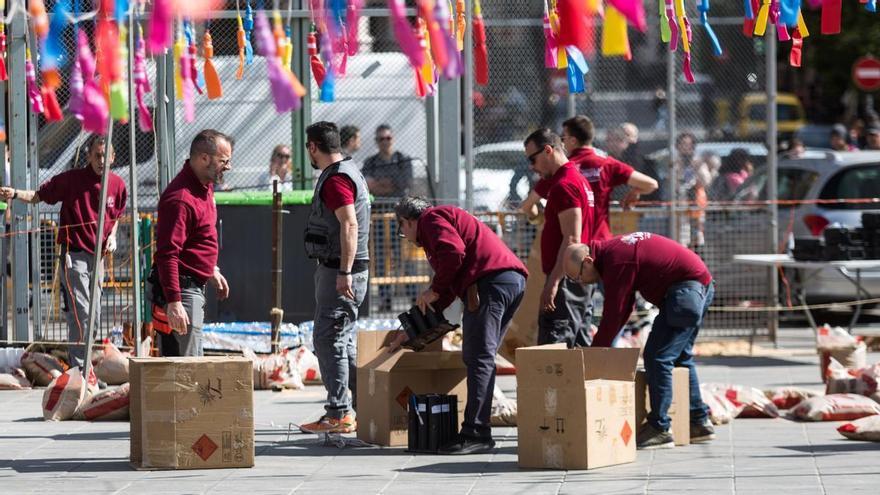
[566, 308]
[674, 279]
[389, 174]
[186, 243]
[469, 262]
[279, 169]
[337, 236]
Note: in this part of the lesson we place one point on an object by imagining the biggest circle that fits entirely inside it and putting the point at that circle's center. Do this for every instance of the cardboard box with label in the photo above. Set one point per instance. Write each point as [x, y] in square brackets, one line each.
[679, 410]
[192, 413]
[385, 382]
[576, 407]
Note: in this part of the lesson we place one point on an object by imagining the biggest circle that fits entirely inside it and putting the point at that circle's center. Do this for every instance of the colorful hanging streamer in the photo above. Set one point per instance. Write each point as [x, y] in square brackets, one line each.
[283, 92]
[242, 47]
[403, 31]
[460, 24]
[481, 51]
[831, 12]
[576, 69]
[632, 10]
[248, 29]
[33, 92]
[160, 33]
[454, 65]
[352, 19]
[550, 43]
[665, 32]
[94, 110]
[573, 20]
[142, 86]
[684, 27]
[703, 7]
[673, 25]
[212, 79]
[615, 42]
[317, 65]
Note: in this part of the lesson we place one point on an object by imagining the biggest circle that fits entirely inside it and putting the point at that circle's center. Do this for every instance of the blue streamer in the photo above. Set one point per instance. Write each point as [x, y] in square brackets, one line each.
[189, 33]
[121, 10]
[749, 13]
[248, 25]
[577, 68]
[871, 6]
[703, 7]
[788, 12]
[53, 52]
[328, 88]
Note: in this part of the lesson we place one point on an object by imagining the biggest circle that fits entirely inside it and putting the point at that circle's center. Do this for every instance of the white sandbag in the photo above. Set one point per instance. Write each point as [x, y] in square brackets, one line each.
[63, 396]
[274, 371]
[788, 397]
[14, 380]
[306, 364]
[108, 405]
[867, 428]
[835, 407]
[503, 409]
[111, 365]
[41, 368]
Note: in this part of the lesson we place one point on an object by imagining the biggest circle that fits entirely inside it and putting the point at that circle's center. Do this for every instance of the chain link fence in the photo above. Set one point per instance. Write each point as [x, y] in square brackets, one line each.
[379, 89]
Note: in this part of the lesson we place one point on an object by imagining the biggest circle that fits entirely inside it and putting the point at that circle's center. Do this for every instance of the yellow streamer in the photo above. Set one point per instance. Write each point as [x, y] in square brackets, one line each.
[615, 41]
[178, 78]
[802, 25]
[763, 15]
[682, 27]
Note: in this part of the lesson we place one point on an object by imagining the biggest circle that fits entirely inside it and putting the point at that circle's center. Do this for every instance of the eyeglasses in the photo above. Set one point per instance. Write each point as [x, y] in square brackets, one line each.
[580, 275]
[400, 233]
[534, 155]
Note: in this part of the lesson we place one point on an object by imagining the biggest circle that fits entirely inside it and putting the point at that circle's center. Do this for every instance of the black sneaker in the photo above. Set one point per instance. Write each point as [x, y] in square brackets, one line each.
[468, 445]
[651, 438]
[701, 433]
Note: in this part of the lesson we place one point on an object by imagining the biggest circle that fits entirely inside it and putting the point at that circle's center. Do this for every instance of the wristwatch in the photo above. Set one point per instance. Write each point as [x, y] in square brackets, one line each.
[14, 193]
[343, 272]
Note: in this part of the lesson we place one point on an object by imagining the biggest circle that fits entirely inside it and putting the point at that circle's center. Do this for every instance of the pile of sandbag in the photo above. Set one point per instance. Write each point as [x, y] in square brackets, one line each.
[69, 396]
[726, 402]
[836, 343]
[111, 364]
[275, 371]
[12, 377]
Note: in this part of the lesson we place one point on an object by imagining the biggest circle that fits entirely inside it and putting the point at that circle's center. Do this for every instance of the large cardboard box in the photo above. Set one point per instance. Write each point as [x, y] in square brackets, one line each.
[192, 413]
[576, 407]
[680, 410]
[385, 382]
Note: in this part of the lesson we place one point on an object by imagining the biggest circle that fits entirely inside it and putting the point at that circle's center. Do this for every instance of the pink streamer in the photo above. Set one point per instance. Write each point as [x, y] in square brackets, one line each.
[142, 87]
[455, 66]
[94, 109]
[633, 11]
[686, 66]
[75, 102]
[189, 108]
[34, 95]
[673, 26]
[403, 31]
[353, 14]
[159, 26]
[781, 29]
[551, 46]
[283, 93]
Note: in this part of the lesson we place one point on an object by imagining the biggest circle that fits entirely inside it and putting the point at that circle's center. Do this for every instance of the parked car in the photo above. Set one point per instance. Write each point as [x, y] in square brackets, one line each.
[753, 115]
[820, 175]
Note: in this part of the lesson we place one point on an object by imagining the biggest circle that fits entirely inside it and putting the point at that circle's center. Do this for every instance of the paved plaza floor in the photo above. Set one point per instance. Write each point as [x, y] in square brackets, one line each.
[761, 456]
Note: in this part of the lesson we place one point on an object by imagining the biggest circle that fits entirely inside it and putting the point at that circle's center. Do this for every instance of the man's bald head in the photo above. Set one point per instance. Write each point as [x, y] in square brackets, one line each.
[578, 264]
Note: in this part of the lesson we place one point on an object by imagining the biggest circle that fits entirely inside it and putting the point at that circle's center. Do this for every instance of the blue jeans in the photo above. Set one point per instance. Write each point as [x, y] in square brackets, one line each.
[671, 344]
[335, 338]
[482, 333]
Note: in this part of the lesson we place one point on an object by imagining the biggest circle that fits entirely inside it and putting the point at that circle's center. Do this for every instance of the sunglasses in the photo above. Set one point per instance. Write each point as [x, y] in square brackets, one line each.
[384, 138]
[283, 156]
[533, 157]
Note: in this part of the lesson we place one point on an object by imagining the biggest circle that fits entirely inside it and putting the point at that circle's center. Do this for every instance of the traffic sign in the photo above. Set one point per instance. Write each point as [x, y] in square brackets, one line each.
[866, 73]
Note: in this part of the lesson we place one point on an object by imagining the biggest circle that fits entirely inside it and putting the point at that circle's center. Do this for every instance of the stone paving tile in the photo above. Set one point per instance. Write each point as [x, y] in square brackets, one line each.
[773, 457]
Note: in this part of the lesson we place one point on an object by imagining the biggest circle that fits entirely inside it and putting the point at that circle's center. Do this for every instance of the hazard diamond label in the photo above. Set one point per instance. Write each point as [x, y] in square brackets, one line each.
[626, 432]
[204, 447]
[403, 397]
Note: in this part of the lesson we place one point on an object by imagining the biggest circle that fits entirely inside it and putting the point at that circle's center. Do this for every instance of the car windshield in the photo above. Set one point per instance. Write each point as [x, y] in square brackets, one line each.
[793, 184]
[859, 182]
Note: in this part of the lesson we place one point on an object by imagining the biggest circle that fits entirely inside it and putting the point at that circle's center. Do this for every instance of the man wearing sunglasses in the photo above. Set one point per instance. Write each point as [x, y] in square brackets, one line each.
[337, 236]
[674, 279]
[187, 245]
[469, 262]
[566, 307]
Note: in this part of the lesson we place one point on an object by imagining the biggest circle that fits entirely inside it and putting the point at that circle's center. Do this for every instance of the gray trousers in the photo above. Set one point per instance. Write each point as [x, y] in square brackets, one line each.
[76, 279]
[570, 322]
[335, 338]
[175, 344]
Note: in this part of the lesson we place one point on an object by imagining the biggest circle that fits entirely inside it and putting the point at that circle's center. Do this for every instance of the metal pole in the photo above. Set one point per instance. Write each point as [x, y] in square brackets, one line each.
[94, 295]
[36, 259]
[276, 315]
[161, 119]
[772, 152]
[571, 105]
[17, 136]
[674, 230]
[133, 184]
[468, 97]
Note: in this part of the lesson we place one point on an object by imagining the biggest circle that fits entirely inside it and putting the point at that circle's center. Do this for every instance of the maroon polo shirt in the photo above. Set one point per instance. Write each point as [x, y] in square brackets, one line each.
[644, 262]
[186, 232]
[566, 189]
[79, 192]
[604, 174]
[338, 191]
[461, 251]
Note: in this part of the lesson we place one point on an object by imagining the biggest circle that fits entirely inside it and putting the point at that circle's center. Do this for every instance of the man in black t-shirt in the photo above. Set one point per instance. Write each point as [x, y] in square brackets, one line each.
[389, 173]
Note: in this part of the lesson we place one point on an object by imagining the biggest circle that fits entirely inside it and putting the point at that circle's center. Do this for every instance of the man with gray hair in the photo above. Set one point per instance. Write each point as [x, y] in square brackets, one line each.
[337, 236]
[79, 192]
[469, 262]
[187, 247]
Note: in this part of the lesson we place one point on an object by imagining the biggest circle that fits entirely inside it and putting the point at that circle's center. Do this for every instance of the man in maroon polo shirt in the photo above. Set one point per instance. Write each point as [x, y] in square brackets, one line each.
[79, 191]
[604, 174]
[566, 307]
[674, 279]
[186, 243]
[472, 263]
